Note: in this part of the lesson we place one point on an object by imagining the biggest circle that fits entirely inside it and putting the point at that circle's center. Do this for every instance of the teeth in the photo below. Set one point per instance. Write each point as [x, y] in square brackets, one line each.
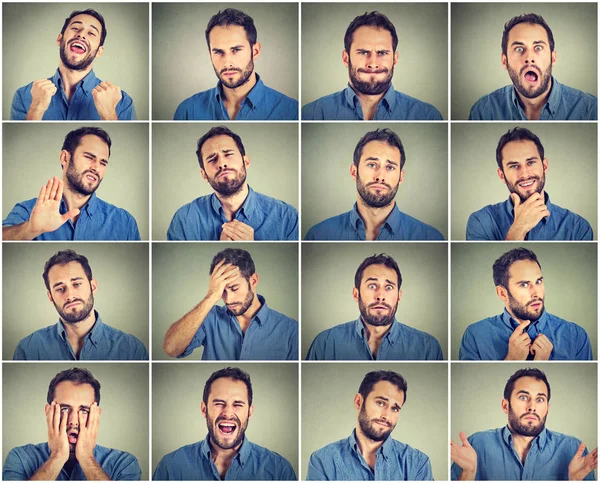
[227, 424]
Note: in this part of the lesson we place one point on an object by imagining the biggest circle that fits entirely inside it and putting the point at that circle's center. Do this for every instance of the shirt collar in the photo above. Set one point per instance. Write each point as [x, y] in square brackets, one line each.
[263, 313]
[553, 101]
[392, 222]
[94, 335]
[242, 455]
[90, 207]
[254, 97]
[512, 323]
[541, 439]
[391, 335]
[388, 100]
[510, 209]
[87, 83]
[249, 208]
[385, 450]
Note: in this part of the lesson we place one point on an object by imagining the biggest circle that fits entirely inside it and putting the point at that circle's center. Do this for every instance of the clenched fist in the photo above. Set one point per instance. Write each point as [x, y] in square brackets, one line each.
[106, 97]
[41, 94]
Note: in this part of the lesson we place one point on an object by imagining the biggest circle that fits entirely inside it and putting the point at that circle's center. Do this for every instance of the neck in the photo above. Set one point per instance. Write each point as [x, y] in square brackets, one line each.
[373, 218]
[232, 204]
[236, 96]
[245, 319]
[70, 78]
[520, 321]
[77, 331]
[368, 103]
[533, 107]
[217, 453]
[522, 444]
[375, 332]
[366, 446]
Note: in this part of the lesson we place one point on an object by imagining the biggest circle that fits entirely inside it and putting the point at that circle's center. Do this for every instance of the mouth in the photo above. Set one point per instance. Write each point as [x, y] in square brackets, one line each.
[226, 173]
[373, 72]
[380, 307]
[527, 183]
[536, 304]
[531, 418]
[385, 424]
[73, 435]
[73, 304]
[227, 427]
[91, 177]
[379, 186]
[531, 76]
[230, 72]
[78, 47]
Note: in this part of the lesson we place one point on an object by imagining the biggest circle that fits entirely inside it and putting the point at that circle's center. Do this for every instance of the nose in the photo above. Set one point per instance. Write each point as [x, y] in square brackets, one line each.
[72, 419]
[380, 295]
[372, 60]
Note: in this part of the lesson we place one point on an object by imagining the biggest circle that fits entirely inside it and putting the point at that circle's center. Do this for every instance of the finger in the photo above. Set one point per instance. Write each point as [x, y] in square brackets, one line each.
[516, 199]
[463, 439]
[42, 195]
[232, 232]
[580, 450]
[62, 429]
[69, 215]
[49, 410]
[59, 191]
[56, 417]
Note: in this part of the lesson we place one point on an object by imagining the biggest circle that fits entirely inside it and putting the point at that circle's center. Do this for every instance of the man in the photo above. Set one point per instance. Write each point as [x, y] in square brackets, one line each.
[68, 208]
[370, 453]
[234, 211]
[74, 92]
[246, 328]
[375, 335]
[240, 93]
[370, 55]
[225, 453]
[79, 333]
[524, 449]
[524, 331]
[528, 55]
[378, 170]
[71, 453]
[528, 213]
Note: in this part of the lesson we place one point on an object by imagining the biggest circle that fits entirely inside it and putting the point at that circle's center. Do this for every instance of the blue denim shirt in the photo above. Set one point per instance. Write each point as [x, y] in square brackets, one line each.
[81, 107]
[488, 339]
[252, 463]
[203, 218]
[98, 220]
[349, 226]
[261, 104]
[271, 336]
[342, 461]
[493, 222]
[102, 343]
[548, 459]
[564, 104]
[345, 106]
[348, 342]
[22, 463]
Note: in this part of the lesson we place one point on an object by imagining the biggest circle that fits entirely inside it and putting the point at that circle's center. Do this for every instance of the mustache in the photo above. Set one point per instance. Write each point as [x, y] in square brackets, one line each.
[380, 304]
[229, 69]
[535, 301]
[530, 67]
[235, 419]
[381, 183]
[71, 301]
[383, 70]
[526, 415]
[381, 421]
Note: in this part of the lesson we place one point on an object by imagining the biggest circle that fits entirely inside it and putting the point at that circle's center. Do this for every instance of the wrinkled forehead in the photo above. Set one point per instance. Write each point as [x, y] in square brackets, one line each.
[381, 151]
[227, 389]
[387, 391]
[527, 33]
[519, 151]
[367, 37]
[63, 273]
[379, 273]
[85, 21]
[530, 385]
[75, 395]
[217, 144]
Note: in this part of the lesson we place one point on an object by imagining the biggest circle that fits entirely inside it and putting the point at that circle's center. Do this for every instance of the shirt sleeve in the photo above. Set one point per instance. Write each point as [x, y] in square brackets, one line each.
[14, 468]
[293, 352]
[434, 351]
[141, 354]
[316, 471]
[176, 228]
[476, 230]
[181, 113]
[468, 347]
[198, 339]
[287, 473]
[292, 234]
[161, 472]
[19, 354]
[584, 351]
[316, 352]
[455, 472]
[19, 214]
[475, 114]
[125, 108]
[126, 468]
[585, 231]
[18, 112]
[132, 232]
[309, 112]
[424, 473]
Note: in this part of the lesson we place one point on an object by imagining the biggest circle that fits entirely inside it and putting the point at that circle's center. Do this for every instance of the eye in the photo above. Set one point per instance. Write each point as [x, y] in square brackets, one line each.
[76, 284]
[59, 290]
[522, 397]
[64, 410]
[389, 167]
[84, 411]
[104, 163]
[389, 287]
[524, 285]
[395, 409]
[372, 286]
[538, 48]
[380, 403]
[519, 50]
[540, 399]
[371, 165]
[91, 33]
[539, 282]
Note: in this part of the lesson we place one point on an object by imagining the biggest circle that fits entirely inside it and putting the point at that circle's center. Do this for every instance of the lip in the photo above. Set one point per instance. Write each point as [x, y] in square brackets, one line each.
[230, 72]
[380, 423]
[80, 43]
[77, 302]
[531, 418]
[530, 183]
[378, 186]
[226, 172]
[91, 177]
[380, 307]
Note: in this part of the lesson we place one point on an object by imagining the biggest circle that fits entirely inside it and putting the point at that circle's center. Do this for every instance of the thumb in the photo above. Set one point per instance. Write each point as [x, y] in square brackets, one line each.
[70, 214]
[516, 199]
[463, 439]
[580, 450]
[524, 325]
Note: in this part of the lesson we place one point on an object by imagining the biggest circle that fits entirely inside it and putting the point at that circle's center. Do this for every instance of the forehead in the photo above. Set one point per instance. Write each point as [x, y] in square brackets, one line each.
[387, 390]
[527, 33]
[381, 150]
[366, 36]
[379, 272]
[524, 270]
[67, 392]
[227, 36]
[519, 151]
[62, 273]
[217, 144]
[531, 385]
[227, 388]
[93, 144]
[87, 21]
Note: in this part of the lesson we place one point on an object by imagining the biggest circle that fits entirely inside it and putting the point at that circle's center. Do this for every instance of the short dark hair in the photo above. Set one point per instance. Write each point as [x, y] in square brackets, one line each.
[234, 373]
[381, 259]
[517, 134]
[384, 135]
[373, 377]
[372, 19]
[533, 18]
[93, 13]
[528, 372]
[502, 265]
[232, 16]
[219, 131]
[76, 375]
[73, 139]
[62, 258]
[238, 258]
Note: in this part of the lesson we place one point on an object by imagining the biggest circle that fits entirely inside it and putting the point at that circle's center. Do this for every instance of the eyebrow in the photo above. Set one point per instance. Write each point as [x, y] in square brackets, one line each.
[375, 279]
[523, 391]
[383, 398]
[61, 282]
[81, 406]
[216, 49]
[527, 281]
[535, 42]
[91, 25]
[241, 401]
[94, 156]
[375, 158]
[214, 155]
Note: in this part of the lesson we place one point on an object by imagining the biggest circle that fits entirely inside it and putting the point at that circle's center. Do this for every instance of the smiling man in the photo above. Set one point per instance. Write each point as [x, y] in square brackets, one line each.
[375, 335]
[378, 170]
[74, 92]
[528, 213]
[71, 453]
[524, 449]
[524, 331]
[234, 211]
[528, 55]
[240, 93]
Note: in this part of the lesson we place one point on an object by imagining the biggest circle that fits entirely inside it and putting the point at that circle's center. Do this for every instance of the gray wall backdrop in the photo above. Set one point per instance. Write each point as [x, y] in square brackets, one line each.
[571, 150]
[177, 392]
[180, 272]
[122, 299]
[328, 412]
[422, 31]
[327, 153]
[35, 149]
[477, 34]
[182, 65]
[125, 61]
[328, 279]
[176, 178]
[570, 279]
[124, 402]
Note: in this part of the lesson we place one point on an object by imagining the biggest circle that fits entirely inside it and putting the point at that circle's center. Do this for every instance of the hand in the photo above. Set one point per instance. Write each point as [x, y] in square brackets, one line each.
[58, 441]
[464, 456]
[88, 432]
[45, 216]
[527, 215]
[41, 94]
[541, 348]
[106, 97]
[581, 466]
[519, 343]
[223, 273]
[236, 230]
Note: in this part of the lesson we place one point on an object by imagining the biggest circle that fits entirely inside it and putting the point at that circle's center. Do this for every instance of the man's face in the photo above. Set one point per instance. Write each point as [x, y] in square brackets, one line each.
[529, 60]
[378, 295]
[239, 294]
[80, 43]
[378, 174]
[528, 406]
[224, 165]
[380, 410]
[523, 171]
[227, 412]
[371, 60]
[71, 292]
[85, 169]
[231, 55]
[524, 298]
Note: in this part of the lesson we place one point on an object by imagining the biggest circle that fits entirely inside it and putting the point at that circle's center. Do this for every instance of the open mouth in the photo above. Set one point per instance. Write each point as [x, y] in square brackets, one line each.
[91, 177]
[78, 47]
[527, 184]
[73, 437]
[531, 76]
[227, 427]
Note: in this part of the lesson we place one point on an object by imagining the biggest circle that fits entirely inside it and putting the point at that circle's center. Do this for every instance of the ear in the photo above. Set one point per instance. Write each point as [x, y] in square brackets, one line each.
[256, 50]
[399, 295]
[395, 58]
[345, 58]
[355, 294]
[94, 285]
[505, 406]
[50, 297]
[502, 293]
[553, 57]
[203, 409]
[401, 177]
[58, 39]
[358, 401]
[253, 280]
[203, 173]
[246, 159]
[64, 158]
[353, 171]
[504, 61]
[501, 175]
[100, 51]
[250, 411]
[545, 164]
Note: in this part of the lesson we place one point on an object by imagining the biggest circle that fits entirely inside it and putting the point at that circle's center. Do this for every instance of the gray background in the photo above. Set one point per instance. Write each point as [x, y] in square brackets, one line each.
[422, 68]
[570, 279]
[124, 402]
[328, 279]
[176, 178]
[34, 150]
[181, 61]
[328, 412]
[177, 420]
[30, 51]
[477, 34]
[328, 189]
[571, 178]
[122, 299]
[180, 276]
